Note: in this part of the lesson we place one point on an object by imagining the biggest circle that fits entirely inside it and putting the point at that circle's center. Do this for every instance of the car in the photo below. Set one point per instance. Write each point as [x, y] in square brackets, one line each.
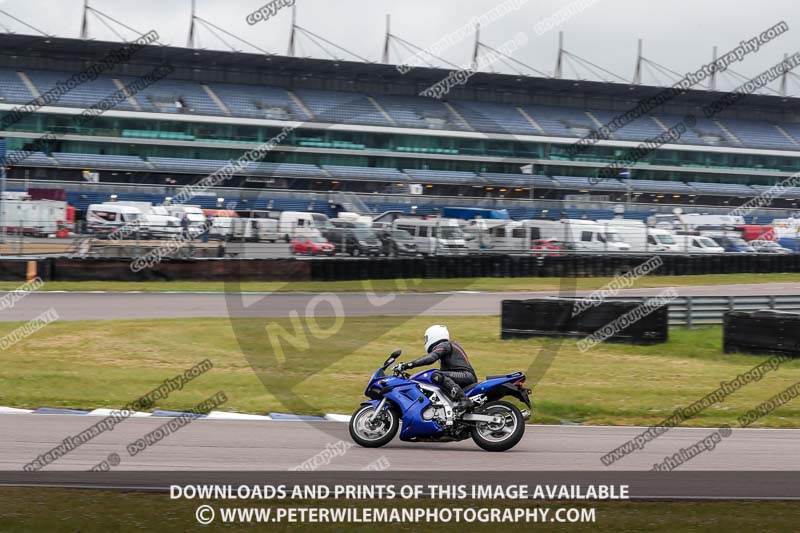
[548, 247]
[769, 247]
[732, 244]
[312, 246]
[354, 241]
[396, 242]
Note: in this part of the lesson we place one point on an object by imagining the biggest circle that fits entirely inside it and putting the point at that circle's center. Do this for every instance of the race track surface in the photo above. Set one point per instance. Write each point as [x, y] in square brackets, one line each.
[230, 445]
[107, 306]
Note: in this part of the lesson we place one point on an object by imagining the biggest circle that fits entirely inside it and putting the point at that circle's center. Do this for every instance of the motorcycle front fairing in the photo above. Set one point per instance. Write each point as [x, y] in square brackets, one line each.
[409, 399]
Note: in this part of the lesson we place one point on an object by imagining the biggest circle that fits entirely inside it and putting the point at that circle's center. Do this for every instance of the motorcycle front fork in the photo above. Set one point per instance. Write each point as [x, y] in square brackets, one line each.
[377, 411]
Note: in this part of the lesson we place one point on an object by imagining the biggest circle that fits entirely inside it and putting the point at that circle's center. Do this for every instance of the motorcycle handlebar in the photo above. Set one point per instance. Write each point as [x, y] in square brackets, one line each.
[402, 374]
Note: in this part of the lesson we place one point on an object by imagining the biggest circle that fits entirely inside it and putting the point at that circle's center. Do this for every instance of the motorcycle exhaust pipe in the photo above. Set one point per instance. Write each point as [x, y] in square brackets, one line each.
[526, 415]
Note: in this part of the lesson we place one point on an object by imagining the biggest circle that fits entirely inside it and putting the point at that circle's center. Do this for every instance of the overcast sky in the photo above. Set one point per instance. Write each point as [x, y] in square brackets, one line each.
[678, 34]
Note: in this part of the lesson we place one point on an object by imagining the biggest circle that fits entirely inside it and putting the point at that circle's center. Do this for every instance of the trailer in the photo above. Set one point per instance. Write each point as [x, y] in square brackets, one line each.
[25, 216]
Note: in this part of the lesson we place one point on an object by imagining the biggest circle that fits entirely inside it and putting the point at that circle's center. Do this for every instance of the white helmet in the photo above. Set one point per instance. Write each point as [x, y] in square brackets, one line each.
[435, 334]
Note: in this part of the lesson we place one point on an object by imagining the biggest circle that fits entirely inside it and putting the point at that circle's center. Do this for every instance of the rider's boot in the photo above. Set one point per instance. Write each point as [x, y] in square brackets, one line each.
[462, 402]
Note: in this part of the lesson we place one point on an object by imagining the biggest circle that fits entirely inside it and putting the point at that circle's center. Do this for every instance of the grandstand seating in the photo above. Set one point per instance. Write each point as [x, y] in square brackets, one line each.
[451, 177]
[260, 101]
[656, 186]
[100, 162]
[388, 175]
[86, 94]
[208, 166]
[728, 189]
[642, 128]
[365, 173]
[704, 132]
[34, 159]
[787, 192]
[571, 182]
[338, 106]
[420, 112]
[561, 121]
[518, 180]
[495, 118]
[12, 89]
[793, 130]
[759, 134]
[170, 96]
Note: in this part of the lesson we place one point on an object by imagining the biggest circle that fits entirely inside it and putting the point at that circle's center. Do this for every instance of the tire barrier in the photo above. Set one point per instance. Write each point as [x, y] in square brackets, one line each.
[14, 270]
[559, 317]
[762, 332]
[174, 270]
[346, 269]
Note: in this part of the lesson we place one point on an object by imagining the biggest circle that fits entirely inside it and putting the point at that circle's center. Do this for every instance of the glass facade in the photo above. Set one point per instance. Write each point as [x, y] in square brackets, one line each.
[169, 138]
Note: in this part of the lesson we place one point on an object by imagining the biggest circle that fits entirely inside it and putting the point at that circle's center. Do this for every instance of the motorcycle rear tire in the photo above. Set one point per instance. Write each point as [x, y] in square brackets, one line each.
[508, 409]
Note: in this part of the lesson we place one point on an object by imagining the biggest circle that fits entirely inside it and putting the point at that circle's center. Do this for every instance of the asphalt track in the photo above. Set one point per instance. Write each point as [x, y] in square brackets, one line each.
[232, 445]
[110, 305]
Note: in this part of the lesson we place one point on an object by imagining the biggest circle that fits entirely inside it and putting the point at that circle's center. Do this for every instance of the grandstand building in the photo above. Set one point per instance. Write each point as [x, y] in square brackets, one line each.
[363, 128]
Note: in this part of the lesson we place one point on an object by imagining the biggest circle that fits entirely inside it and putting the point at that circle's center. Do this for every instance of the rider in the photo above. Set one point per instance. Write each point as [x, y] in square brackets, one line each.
[455, 368]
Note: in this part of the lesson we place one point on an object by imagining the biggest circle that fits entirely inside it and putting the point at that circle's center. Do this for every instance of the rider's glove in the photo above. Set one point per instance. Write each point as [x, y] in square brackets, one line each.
[402, 366]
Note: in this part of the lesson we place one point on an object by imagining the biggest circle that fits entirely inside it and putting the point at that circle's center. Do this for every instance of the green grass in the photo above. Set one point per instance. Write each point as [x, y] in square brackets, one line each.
[110, 363]
[68, 511]
[426, 285]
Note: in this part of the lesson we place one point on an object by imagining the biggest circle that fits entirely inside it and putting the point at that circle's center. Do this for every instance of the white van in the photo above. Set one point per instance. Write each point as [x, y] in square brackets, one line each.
[578, 235]
[159, 226]
[102, 219]
[155, 222]
[255, 229]
[359, 220]
[641, 237]
[477, 233]
[698, 244]
[305, 223]
[436, 236]
[195, 215]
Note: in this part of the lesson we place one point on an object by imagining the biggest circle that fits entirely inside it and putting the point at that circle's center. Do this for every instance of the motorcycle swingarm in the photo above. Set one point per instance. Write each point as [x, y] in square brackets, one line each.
[475, 417]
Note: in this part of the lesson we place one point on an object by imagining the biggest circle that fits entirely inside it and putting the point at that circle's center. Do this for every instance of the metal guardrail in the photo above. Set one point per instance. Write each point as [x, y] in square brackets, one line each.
[703, 310]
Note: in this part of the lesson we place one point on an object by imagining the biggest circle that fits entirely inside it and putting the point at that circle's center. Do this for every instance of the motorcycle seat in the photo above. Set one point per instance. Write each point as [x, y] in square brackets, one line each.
[498, 376]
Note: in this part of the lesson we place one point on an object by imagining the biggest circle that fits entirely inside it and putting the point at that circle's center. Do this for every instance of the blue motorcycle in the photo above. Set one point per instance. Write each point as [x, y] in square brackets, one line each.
[427, 413]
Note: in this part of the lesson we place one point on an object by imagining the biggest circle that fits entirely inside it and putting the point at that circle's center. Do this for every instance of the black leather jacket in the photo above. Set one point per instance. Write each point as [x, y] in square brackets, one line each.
[450, 354]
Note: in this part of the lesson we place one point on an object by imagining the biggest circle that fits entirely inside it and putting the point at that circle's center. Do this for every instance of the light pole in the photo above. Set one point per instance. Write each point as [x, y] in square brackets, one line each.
[2, 191]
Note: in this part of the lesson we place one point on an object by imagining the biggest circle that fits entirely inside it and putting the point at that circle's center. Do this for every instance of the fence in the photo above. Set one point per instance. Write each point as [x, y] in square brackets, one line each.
[311, 234]
[704, 310]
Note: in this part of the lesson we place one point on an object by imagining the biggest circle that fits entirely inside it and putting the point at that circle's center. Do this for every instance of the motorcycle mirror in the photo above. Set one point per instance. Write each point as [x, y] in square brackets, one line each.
[396, 353]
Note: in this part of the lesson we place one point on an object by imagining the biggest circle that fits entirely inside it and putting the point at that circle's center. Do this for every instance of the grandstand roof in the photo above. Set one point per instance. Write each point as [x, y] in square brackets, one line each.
[26, 51]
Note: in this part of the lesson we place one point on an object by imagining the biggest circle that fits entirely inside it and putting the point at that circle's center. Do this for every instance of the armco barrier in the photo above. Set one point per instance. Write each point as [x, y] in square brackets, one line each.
[762, 332]
[343, 268]
[554, 317]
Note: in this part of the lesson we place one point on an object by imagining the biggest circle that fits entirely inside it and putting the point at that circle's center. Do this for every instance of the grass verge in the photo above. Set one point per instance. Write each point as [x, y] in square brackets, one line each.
[59, 510]
[110, 363]
[429, 285]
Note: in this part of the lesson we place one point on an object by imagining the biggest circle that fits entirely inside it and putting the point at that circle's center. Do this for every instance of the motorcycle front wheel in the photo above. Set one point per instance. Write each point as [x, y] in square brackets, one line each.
[502, 436]
[374, 433]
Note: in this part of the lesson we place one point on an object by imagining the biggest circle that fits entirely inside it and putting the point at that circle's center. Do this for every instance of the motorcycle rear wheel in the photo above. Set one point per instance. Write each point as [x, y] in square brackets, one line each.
[494, 438]
[377, 434]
